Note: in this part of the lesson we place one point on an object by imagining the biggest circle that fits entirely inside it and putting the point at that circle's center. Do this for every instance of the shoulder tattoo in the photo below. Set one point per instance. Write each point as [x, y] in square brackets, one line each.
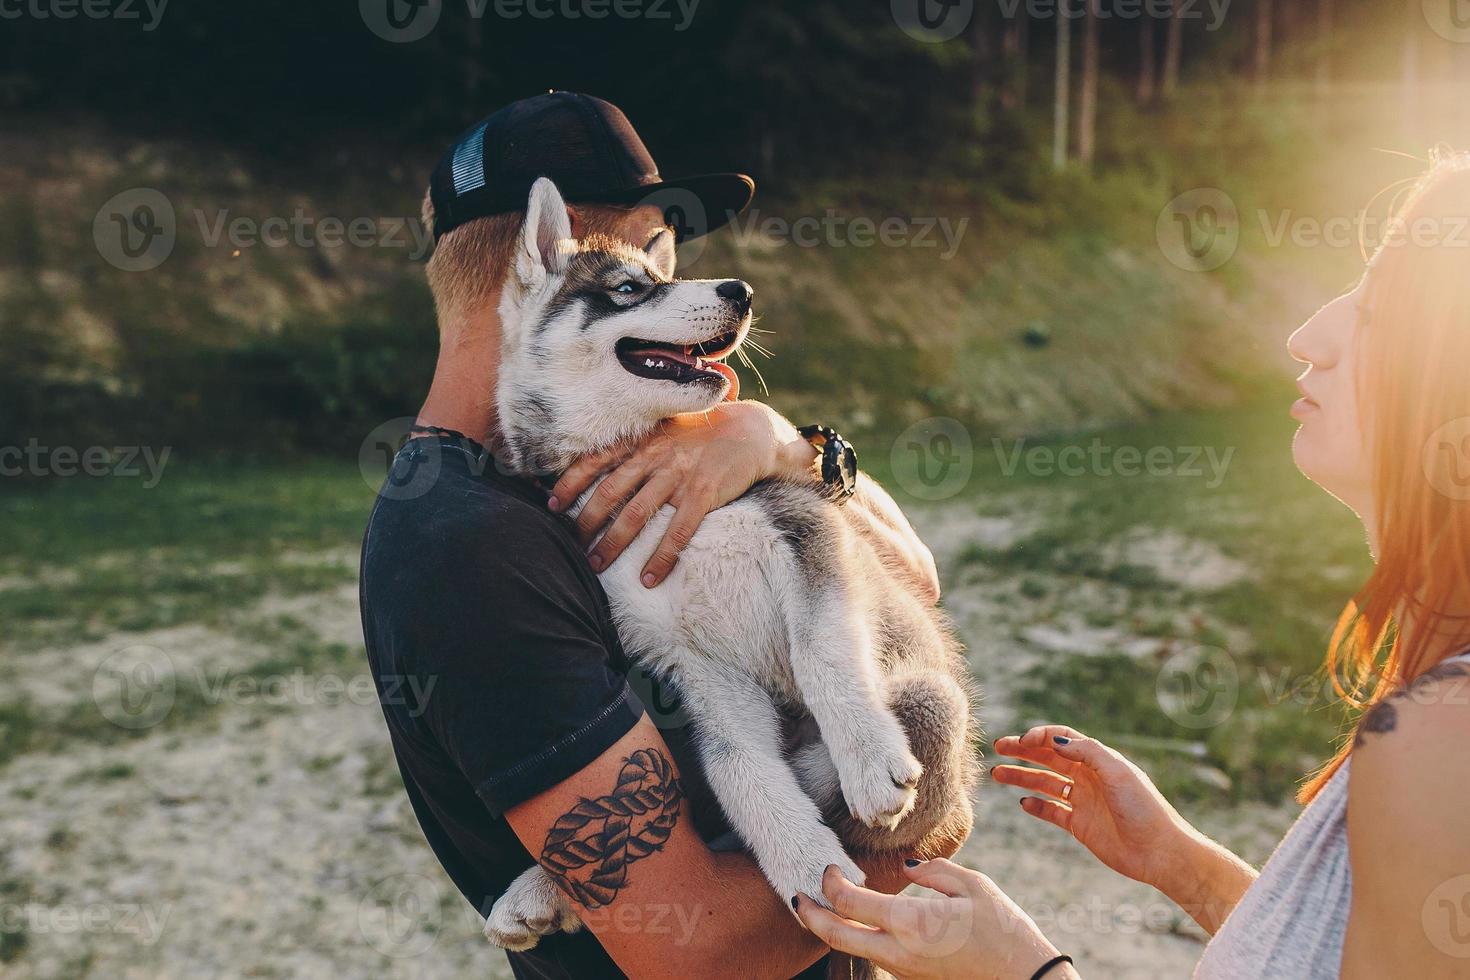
[1383, 717]
[591, 846]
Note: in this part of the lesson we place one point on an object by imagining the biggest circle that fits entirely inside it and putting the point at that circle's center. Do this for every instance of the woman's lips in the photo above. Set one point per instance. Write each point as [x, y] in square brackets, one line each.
[1304, 407]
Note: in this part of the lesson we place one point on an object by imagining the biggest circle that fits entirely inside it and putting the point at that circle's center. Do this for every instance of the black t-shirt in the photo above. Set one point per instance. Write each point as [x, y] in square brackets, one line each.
[500, 672]
[497, 664]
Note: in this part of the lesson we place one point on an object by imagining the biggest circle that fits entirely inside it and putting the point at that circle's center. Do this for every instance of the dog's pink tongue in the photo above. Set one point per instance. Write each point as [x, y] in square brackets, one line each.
[734, 393]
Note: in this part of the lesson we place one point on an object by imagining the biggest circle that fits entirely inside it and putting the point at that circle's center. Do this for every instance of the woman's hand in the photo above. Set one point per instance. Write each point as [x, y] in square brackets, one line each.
[1113, 809]
[694, 462]
[971, 930]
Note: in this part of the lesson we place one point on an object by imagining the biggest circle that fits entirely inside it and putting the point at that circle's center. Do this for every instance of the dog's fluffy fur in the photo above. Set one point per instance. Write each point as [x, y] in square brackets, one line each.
[779, 606]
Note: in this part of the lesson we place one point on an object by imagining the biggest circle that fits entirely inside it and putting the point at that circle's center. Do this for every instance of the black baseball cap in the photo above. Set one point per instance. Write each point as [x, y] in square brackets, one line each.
[590, 149]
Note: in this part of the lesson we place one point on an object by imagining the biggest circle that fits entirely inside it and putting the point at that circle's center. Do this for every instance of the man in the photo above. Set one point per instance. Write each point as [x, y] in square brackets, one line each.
[474, 587]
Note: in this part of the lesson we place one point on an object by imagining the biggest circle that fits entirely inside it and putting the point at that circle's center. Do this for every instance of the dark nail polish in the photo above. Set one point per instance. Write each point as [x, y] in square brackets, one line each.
[1061, 740]
[793, 901]
[911, 862]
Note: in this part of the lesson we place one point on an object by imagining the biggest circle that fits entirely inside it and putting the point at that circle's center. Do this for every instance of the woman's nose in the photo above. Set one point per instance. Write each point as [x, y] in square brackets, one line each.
[1319, 341]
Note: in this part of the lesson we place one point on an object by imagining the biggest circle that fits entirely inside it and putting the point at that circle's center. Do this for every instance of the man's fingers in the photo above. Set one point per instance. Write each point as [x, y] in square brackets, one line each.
[851, 902]
[1049, 810]
[579, 477]
[849, 937]
[631, 520]
[610, 494]
[943, 876]
[680, 532]
[1035, 780]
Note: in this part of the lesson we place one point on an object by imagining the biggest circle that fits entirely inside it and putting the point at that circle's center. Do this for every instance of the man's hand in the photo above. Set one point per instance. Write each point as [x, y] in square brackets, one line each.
[697, 463]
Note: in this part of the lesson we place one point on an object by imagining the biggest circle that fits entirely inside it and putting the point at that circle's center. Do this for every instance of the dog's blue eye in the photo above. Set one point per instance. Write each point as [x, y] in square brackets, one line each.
[627, 288]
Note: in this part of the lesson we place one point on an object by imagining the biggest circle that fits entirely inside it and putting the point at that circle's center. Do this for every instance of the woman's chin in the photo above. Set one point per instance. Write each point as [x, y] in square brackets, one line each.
[1309, 460]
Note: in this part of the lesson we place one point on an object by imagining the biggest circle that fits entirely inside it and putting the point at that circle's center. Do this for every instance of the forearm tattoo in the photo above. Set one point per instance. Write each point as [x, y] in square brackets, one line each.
[1383, 717]
[590, 847]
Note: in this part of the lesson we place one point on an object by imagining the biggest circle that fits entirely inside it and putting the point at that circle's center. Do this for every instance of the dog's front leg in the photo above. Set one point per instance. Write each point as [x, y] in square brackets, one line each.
[739, 741]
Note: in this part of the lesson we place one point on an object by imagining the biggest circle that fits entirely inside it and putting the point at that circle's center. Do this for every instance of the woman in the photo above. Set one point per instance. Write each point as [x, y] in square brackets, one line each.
[1373, 881]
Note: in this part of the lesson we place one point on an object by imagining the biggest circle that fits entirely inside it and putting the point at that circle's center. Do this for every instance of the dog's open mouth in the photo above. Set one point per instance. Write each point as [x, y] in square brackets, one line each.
[680, 363]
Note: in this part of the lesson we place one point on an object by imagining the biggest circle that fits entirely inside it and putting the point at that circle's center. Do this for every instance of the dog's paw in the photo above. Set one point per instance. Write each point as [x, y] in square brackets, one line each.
[806, 877]
[881, 788]
[529, 909]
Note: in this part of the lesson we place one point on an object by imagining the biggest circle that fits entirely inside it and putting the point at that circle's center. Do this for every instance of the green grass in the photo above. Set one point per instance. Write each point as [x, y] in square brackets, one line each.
[87, 559]
[1305, 554]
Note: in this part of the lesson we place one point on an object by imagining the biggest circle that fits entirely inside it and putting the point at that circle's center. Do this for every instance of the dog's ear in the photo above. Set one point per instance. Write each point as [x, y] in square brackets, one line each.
[542, 250]
[661, 252]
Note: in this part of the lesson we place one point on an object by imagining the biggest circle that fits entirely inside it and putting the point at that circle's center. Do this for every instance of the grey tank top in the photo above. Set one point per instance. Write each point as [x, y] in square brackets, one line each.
[1292, 922]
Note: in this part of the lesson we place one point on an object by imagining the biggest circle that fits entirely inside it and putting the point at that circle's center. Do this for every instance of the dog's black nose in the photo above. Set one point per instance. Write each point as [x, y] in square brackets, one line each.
[736, 291]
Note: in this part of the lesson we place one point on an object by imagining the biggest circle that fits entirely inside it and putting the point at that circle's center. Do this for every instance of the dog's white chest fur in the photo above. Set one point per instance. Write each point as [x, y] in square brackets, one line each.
[717, 603]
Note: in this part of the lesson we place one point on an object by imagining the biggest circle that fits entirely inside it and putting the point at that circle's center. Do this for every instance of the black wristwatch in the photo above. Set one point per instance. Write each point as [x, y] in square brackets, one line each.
[839, 461]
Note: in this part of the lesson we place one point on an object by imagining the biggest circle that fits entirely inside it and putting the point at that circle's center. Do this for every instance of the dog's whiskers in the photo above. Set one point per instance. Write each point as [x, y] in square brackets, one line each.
[745, 359]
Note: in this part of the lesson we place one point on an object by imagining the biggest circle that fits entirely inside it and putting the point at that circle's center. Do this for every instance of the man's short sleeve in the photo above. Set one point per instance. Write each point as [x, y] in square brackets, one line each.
[512, 629]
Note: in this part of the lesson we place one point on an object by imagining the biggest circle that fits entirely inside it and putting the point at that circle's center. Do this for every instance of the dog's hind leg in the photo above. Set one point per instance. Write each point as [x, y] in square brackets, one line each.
[934, 711]
[738, 735]
[834, 665]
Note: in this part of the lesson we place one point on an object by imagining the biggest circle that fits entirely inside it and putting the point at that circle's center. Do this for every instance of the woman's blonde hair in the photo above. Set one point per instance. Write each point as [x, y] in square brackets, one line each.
[1414, 389]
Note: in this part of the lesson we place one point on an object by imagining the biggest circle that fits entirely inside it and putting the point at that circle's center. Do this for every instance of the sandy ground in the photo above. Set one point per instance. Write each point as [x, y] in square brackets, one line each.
[270, 837]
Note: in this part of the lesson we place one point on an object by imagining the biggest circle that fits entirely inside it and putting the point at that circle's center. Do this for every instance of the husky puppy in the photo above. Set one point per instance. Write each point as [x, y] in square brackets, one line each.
[780, 607]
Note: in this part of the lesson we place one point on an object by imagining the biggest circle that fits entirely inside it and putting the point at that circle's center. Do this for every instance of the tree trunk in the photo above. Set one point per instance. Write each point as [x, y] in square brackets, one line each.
[1061, 123]
[1264, 16]
[982, 72]
[1148, 60]
[1087, 104]
[1015, 44]
[1173, 51]
[1324, 47]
